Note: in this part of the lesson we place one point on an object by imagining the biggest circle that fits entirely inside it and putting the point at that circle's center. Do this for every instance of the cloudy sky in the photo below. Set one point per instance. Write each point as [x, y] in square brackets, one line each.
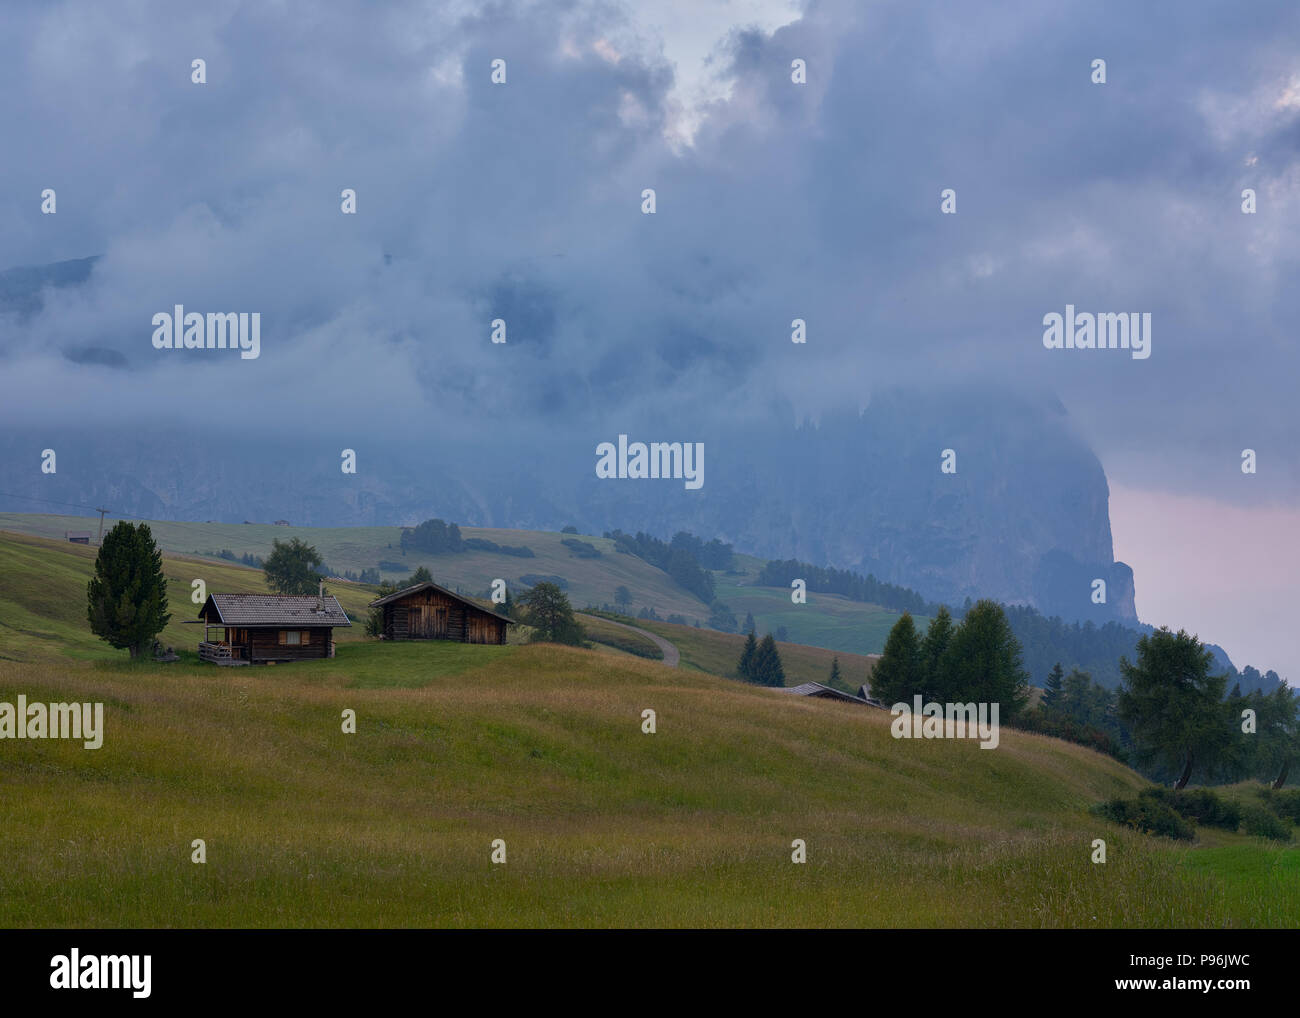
[775, 201]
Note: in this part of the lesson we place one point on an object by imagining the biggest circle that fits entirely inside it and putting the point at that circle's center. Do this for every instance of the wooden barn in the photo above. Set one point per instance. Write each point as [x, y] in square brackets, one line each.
[265, 628]
[427, 611]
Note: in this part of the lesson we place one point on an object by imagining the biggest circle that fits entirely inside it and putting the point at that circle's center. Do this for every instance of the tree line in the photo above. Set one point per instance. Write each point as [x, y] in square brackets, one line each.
[1172, 715]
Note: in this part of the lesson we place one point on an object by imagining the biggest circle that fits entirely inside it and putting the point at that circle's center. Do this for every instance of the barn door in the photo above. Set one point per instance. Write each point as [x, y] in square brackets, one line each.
[439, 624]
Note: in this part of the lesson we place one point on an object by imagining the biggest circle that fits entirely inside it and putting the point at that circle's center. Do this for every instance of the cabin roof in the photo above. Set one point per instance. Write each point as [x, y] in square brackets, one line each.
[415, 588]
[253, 610]
[827, 692]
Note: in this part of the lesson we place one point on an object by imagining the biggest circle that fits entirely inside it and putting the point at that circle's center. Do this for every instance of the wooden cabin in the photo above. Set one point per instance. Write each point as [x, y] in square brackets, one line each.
[427, 611]
[265, 628]
[77, 536]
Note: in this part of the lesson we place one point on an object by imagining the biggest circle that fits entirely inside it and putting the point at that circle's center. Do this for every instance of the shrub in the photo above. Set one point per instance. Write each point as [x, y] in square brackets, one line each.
[581, 549]
[1146, 814]
[1200, 806]
[1285, 804]
[1261, 823]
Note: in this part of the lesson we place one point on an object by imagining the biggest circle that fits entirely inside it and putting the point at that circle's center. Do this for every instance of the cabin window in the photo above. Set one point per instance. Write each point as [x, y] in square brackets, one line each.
[291, 637]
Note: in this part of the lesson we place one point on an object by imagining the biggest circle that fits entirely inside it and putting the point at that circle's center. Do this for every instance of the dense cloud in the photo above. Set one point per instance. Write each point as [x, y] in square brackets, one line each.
[522, 201]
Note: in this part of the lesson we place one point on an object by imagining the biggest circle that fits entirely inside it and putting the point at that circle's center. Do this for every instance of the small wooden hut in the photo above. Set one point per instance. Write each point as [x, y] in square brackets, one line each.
[265, 628]
[427, 611]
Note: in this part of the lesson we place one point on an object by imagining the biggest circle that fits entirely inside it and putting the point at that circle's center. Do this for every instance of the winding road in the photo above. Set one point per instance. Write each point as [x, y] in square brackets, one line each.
[671, 657]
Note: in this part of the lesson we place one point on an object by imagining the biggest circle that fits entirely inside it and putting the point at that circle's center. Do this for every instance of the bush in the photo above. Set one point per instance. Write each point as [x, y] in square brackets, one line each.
[1261, 823]
[581, 549]
[1200, 806]
[1285, 804]
[1146, 814]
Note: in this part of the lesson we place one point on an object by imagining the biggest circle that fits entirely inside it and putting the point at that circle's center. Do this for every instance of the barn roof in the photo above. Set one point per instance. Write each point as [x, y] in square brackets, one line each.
[826, 692]
[273, 610]
[415, 588]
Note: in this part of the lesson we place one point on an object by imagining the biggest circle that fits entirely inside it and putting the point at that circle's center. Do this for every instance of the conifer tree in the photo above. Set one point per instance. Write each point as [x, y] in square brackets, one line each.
[896, 677]
[1051, 700]
[746, 667]
[127, 596]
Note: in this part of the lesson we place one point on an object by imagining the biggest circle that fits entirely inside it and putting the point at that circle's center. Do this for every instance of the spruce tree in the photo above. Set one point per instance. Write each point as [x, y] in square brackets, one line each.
[983, 661]
[767, 663]
[896, 677]
[835, 672]
[1051, 700]
[746, 667]
[127, 596]
[749, 622]
[933, 650]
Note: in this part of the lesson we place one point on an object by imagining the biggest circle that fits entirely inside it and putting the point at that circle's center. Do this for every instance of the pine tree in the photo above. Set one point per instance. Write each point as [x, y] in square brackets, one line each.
[746, 667]
[127, 596]
[767, 663]
[835, 672]
[749, 626]
[1051, 700]
[933, 661]
[983, 661]
[896, 677]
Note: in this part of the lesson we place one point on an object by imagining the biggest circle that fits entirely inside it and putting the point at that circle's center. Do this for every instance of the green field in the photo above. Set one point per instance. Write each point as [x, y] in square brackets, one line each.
[542, 747]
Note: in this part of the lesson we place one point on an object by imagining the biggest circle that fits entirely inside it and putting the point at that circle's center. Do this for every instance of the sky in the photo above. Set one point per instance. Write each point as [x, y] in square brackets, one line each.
[775, 200]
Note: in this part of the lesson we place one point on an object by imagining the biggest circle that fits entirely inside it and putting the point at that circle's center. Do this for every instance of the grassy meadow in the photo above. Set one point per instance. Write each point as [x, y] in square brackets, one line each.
[542, 747]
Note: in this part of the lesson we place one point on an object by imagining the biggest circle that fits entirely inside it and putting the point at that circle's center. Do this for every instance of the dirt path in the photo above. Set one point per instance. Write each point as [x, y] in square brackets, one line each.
[671, 656]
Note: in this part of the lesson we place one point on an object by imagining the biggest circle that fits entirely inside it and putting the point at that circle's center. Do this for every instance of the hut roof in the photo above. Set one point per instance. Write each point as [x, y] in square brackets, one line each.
[254, 610]
[397, 595]
[826, 692]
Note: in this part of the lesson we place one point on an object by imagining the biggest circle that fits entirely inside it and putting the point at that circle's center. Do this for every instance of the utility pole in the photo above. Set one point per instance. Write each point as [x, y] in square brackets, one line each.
[101, 512]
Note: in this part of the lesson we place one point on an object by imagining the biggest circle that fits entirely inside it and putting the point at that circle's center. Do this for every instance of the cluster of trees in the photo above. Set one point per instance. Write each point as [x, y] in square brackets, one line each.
[677, 560]
[1075, 708]
[978, 660]
[1183, 721]
[711, 555]
[760, 663]
[483, 544]
[437, 537]
[433, 537]
[582, 549]
[1172, 715]
[845, 583]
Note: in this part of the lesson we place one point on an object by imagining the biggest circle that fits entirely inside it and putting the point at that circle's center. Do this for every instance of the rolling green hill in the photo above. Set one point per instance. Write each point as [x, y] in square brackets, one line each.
[826, 621]
[542, 747]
